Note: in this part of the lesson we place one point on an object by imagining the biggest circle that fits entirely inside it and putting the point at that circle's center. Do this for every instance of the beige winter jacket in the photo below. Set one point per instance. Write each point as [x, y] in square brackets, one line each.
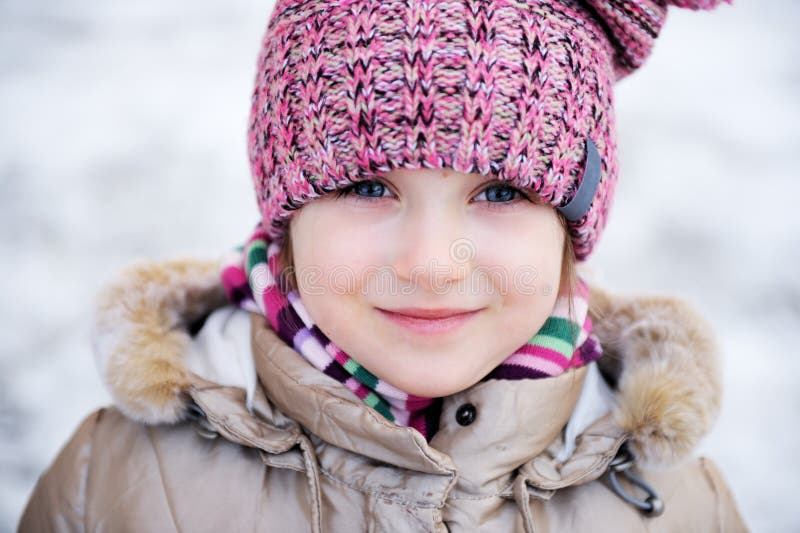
[226, 428]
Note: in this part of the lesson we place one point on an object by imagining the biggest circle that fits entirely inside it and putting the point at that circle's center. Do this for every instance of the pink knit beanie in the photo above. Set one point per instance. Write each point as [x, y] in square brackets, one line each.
[521, 90]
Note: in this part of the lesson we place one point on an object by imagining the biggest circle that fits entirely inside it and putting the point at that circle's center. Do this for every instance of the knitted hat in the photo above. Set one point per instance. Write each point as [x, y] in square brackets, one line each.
[521, 90]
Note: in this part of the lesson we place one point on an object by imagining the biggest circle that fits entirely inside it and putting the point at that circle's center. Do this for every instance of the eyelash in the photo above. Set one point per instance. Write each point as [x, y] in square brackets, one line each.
[350, 188]
[347, 191]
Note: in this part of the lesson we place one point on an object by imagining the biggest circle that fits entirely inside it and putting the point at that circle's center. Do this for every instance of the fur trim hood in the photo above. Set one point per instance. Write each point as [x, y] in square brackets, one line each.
[660, 359]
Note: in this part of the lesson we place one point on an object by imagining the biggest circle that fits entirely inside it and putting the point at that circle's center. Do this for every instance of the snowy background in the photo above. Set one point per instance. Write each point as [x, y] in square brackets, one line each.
[122, 135]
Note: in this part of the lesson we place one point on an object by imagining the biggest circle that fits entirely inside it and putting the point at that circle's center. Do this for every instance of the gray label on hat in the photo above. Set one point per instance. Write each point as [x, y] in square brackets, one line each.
[580, 203]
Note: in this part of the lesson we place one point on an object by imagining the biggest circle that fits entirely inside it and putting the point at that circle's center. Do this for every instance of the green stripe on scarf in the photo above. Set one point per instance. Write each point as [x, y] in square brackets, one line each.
[361, 374]
[561, 328]
[554, 343]
[374, 401]
[255, 255]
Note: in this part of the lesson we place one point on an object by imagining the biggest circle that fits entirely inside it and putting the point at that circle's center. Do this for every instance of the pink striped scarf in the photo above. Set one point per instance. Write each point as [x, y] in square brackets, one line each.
[249, 277]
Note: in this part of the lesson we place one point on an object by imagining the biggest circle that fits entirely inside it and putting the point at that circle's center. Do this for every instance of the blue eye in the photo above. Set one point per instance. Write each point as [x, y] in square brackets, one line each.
[500, 193]
[364, 189]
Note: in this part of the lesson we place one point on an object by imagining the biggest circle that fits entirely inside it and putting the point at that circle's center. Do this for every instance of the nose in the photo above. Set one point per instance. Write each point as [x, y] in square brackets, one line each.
[433, 253]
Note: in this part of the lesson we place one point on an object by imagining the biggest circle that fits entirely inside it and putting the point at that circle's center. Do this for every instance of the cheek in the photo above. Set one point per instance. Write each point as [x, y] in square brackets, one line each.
[531, 266]
[328, 286]
[527, 259]
[330, 255]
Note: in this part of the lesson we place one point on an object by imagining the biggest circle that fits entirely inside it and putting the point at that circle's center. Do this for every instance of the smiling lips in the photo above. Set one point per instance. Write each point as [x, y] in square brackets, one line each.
[429, 321]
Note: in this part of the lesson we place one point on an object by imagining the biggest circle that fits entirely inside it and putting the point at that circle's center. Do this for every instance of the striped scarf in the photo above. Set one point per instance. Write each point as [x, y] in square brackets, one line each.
[249, 276]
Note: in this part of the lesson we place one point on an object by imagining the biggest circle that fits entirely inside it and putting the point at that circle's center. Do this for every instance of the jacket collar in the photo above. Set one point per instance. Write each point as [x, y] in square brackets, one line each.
[515, 420]
[328, 409]
[143, 332]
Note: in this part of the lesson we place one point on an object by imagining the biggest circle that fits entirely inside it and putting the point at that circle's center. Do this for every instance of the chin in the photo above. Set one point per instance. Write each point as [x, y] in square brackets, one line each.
[426, 374]
[428, 387]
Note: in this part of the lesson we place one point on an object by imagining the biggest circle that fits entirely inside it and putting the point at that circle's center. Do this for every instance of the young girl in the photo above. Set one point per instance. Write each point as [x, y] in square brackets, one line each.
[403, 343]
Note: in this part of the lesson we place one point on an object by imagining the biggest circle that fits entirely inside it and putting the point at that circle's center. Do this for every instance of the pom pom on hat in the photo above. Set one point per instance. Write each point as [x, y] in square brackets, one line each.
[697, 4]
[634, 25]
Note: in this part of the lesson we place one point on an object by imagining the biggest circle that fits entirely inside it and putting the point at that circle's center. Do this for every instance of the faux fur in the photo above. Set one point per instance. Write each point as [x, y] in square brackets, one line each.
[664, 360]
[660, 355]
[141, 331]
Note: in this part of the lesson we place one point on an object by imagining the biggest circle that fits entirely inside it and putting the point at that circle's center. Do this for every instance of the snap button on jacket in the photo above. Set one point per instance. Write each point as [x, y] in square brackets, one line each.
[465, 415]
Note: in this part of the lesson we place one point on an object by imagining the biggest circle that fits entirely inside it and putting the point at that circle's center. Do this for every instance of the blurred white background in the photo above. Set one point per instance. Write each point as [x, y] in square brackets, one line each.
[122, 135]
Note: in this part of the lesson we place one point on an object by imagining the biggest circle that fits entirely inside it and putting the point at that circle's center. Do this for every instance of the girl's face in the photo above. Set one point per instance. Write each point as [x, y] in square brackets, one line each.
[370, 258]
